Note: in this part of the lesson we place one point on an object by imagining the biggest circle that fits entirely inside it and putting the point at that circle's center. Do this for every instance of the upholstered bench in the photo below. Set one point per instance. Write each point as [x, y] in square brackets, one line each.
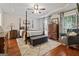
[35, 40]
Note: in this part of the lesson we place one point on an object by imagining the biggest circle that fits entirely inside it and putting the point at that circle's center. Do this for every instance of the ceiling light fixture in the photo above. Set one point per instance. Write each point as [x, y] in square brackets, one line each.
[36, 9]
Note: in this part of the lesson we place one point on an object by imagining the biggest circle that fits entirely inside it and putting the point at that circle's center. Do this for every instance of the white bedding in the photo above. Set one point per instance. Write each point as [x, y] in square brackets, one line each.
[34, 33]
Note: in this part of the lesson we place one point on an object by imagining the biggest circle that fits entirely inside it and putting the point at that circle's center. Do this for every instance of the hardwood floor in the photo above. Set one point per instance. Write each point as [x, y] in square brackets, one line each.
[13, 49]
[62, 50]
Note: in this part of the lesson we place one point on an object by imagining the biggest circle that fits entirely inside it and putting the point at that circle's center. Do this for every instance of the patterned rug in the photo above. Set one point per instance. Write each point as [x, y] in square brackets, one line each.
[39, 50]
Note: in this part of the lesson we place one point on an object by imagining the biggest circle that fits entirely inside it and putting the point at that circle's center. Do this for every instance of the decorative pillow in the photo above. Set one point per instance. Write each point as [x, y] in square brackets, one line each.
[72, 34]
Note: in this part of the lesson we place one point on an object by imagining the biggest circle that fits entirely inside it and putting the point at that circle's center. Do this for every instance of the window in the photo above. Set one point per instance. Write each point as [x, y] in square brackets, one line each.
[70, 22]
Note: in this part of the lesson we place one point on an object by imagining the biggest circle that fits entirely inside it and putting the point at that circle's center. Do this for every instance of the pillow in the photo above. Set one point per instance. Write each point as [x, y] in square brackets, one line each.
[72, 34]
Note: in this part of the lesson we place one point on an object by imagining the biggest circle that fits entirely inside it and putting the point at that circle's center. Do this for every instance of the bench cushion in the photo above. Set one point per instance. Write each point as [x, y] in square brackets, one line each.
[38, 40]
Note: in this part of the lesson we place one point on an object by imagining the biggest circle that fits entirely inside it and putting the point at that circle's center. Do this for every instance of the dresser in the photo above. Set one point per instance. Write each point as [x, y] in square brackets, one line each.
[2, 45]
[53, 31]
[2, 41]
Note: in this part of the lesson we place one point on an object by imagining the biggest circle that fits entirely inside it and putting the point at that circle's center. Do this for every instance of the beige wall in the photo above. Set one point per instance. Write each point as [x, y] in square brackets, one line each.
[9, 19]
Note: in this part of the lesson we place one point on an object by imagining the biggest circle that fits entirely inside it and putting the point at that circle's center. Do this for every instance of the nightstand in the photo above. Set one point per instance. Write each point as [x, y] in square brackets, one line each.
[13, 34]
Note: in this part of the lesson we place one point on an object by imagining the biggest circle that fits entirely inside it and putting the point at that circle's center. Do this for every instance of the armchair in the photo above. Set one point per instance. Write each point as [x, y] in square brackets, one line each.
[73, 39]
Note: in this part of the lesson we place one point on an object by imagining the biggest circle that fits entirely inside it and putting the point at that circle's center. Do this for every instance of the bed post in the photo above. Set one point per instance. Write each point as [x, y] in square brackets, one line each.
[26, 29]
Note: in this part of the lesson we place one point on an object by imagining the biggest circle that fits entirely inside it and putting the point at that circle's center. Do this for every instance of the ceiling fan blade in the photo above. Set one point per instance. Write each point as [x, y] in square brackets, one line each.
[42, 9]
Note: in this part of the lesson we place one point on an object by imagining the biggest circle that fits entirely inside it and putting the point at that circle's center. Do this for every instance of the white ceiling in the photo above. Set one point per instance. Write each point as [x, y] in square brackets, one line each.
[20, 8]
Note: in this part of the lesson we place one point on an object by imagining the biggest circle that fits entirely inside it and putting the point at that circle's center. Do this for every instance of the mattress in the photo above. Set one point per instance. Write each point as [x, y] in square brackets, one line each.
[34, 33]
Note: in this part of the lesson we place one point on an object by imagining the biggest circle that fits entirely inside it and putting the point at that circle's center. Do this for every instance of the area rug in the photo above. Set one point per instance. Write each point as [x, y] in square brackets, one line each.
[39, 50]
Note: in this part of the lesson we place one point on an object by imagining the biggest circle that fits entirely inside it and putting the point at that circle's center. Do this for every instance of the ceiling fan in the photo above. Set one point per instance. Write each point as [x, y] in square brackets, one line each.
[36, 9]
